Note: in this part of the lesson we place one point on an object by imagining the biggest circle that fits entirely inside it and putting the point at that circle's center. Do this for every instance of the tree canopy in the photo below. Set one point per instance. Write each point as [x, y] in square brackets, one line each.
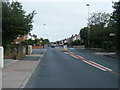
[100, 27]
[15, 21]
[116, 17]
[75, 43]
[36, 42]
[0, 14]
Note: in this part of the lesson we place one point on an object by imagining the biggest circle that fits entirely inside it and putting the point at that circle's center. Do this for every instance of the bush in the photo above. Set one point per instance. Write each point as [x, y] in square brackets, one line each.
[28, 42]
[108, 46]
[75, 43]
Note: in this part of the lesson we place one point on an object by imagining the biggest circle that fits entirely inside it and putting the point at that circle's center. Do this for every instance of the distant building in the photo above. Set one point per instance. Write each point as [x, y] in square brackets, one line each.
[71, 39]
[76, 37]
[19, 39]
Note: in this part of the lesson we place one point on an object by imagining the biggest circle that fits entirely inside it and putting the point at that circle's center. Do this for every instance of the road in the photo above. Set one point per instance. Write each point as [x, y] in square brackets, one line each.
[74, 69]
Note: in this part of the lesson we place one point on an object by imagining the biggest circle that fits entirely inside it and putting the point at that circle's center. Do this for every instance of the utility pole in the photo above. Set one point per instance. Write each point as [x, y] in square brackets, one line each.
[44, 30]
[88, 5]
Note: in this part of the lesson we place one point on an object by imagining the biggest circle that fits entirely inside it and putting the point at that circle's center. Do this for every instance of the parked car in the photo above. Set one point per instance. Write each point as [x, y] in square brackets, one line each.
[53, 45]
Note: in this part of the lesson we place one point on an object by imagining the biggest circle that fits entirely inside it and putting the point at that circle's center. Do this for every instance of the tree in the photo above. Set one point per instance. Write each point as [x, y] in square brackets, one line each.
[37, 41]
[15, 21]
[96, 33]
[31, 42]
[116, 17]
[100, 26]
[99, 18]
[75, 43]
[46, 41]
[28, 42]
[0, 23]
[35, 36]
[84, 35]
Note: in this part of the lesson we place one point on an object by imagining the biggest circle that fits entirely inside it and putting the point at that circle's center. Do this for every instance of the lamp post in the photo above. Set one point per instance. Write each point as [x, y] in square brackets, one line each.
[44, 29]
[88, 5]
[62, 37]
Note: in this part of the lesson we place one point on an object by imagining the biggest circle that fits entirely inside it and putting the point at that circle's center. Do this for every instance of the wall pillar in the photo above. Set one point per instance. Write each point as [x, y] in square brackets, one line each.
[1, 57]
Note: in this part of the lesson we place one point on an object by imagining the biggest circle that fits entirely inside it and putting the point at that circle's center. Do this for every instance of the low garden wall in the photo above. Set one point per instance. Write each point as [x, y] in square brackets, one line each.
[37, 47]
[17, 52]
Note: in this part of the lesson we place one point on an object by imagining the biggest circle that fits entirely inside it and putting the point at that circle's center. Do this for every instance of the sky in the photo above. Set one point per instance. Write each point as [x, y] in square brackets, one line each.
[60, 19]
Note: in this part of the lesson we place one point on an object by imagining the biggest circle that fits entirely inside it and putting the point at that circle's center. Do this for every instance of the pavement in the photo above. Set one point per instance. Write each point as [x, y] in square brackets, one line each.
[110, 54]
[17, 72]
[0, 78]
[98, 51]
[8, 62]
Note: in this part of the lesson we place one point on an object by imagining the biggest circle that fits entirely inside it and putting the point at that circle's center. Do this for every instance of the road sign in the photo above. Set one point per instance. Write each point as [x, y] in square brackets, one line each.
[112, 34]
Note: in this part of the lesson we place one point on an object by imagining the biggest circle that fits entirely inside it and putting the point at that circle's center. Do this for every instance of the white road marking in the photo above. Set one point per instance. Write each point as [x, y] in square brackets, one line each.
[94, 65]
[102, 66]
[65, 52]
[74, 56]
[81, 57]
[71, 52]
[71, 55]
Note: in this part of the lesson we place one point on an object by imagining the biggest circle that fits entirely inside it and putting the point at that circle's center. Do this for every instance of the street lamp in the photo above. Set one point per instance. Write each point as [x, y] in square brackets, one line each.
[88, 5]
[44, 29]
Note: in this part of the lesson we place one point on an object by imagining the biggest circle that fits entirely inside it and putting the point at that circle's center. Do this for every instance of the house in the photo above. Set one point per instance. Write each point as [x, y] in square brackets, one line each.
[71, 39]
[19, 39]
[76, 37]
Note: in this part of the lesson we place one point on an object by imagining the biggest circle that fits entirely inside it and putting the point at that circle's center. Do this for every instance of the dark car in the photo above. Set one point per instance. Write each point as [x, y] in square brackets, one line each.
[53, 46]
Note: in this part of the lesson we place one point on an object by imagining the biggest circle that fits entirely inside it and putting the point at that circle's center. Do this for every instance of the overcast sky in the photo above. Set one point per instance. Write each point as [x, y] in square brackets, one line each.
[63, 18]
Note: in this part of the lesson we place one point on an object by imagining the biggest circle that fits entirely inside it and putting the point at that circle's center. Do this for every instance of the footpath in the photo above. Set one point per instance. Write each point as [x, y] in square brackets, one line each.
[98, 51]
[17, 74]
[108, 54]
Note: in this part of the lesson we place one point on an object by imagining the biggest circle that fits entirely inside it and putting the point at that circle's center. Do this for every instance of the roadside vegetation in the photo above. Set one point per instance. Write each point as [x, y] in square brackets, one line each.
[36, 42]
[15, 21]
[75, 43]
[16, 25]
[103, 30]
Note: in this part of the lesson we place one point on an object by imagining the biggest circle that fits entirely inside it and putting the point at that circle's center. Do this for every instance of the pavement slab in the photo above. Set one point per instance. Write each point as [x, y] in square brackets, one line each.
[14, 75]
[17, 74]
[0, 78]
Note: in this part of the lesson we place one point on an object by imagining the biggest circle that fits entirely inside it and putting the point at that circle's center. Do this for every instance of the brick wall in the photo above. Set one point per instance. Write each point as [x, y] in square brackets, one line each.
[37, 47]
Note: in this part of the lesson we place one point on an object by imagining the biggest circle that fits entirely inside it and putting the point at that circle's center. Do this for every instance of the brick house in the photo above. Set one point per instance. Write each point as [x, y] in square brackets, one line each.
[20, 38]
